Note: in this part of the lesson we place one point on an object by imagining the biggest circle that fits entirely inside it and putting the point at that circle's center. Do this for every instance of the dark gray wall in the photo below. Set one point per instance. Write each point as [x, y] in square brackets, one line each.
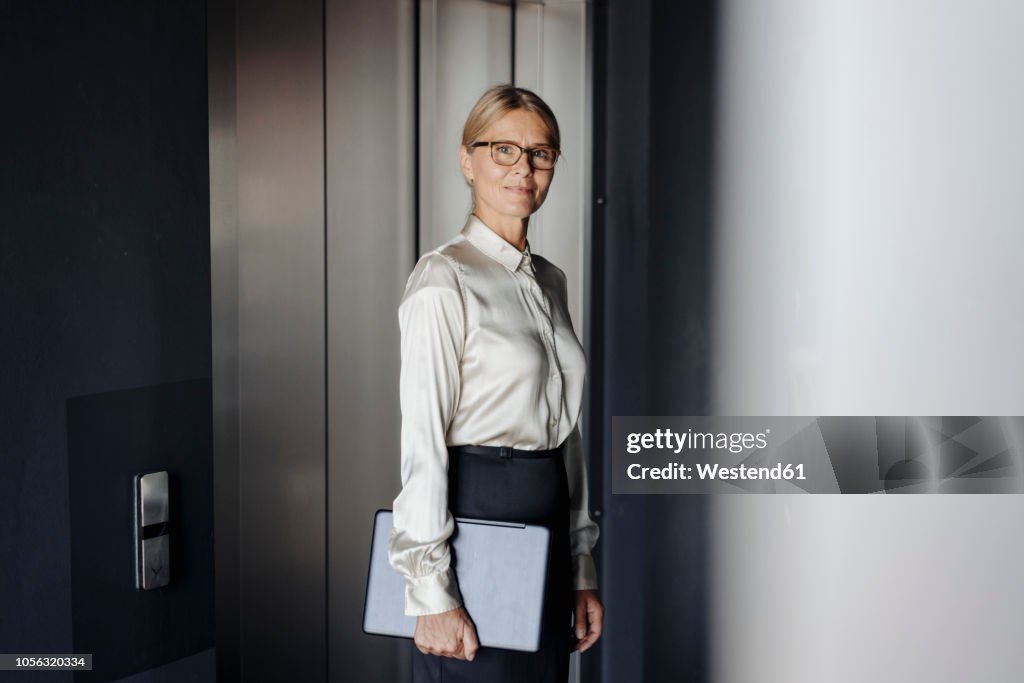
[105, 340]
[220, 36]
[654, 106]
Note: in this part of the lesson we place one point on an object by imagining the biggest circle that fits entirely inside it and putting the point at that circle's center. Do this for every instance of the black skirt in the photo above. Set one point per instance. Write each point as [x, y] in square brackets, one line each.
[514, 489]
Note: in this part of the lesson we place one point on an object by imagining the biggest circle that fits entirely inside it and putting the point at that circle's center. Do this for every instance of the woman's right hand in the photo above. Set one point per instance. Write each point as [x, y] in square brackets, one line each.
[448, 634]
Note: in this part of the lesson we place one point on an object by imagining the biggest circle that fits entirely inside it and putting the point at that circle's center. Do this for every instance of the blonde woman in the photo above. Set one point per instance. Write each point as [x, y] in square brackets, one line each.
[491, 393]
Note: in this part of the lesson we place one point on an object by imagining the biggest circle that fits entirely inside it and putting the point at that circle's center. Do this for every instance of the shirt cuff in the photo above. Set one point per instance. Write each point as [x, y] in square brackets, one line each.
[584, 572]
[431, 594]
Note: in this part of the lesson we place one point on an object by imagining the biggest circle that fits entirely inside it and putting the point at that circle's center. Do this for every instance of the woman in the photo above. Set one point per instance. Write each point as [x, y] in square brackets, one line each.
[489, 360]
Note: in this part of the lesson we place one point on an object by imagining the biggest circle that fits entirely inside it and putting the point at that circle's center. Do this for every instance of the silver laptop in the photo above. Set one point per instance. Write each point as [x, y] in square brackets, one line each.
[501, 569]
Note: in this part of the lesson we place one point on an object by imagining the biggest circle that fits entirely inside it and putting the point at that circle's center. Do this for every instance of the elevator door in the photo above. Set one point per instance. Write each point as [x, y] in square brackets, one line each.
[334, 137]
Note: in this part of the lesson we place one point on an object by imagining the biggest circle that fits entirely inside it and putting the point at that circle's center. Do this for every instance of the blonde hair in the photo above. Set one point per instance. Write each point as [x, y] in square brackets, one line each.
[500, 100]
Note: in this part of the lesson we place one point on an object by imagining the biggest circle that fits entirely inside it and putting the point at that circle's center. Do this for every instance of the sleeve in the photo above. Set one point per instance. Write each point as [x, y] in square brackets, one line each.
[432, 322]
[583, 531]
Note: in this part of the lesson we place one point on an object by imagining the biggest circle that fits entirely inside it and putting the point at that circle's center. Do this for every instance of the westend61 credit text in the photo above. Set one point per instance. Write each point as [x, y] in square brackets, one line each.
[677, 470]
[714, 454]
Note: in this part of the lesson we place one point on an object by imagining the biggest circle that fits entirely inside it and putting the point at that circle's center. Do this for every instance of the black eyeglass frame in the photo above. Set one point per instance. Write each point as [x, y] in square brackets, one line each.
[557, 153]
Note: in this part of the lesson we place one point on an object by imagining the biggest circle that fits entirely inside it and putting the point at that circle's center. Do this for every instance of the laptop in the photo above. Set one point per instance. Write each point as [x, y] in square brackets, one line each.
[501, 570]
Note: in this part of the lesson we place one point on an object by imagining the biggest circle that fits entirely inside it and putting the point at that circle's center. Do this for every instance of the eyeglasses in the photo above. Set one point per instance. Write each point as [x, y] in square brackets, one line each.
[507, 154]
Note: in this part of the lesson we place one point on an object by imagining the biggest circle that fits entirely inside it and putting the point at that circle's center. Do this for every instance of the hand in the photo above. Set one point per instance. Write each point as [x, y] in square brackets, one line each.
[448, 634]
[589, 619]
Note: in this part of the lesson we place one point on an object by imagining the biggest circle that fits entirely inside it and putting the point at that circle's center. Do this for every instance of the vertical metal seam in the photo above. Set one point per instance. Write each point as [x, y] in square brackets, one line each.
[327, 374]
[416, 129]
[540, 47]
[512, 74]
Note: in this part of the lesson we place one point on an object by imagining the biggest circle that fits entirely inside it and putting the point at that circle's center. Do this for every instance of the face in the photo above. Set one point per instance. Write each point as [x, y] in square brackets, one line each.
[505, 193]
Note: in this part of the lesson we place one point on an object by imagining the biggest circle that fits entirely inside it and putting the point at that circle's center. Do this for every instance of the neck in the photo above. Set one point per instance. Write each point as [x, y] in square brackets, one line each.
[512, 230]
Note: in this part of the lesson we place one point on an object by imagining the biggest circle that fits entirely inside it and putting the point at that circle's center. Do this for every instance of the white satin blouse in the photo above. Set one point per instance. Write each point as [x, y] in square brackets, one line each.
[489, 358]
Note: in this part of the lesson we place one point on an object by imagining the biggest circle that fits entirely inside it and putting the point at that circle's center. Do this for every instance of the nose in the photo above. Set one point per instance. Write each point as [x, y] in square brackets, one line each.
[523, 164]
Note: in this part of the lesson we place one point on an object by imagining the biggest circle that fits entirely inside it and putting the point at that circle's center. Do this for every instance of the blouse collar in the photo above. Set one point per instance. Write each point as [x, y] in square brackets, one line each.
[495, 246]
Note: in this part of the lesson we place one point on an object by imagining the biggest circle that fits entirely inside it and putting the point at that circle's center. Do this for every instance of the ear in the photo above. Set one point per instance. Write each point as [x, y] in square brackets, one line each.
[466, 164]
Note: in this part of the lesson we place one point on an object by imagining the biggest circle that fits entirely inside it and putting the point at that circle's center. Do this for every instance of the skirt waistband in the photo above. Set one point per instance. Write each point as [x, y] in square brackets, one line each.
[505, 451]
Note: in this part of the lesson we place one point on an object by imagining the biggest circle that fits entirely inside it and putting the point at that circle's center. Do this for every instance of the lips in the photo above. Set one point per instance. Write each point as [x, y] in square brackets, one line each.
[520, 190]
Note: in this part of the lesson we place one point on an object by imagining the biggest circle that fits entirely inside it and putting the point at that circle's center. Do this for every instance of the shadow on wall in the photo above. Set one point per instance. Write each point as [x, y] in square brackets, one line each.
[652, 243]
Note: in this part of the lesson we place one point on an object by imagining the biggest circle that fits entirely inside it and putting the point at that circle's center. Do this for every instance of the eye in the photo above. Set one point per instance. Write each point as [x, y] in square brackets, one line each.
[503, 149]
[542, 154]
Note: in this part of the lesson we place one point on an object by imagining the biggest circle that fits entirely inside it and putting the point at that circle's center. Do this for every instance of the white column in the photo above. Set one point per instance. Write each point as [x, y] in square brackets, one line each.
[867, 262]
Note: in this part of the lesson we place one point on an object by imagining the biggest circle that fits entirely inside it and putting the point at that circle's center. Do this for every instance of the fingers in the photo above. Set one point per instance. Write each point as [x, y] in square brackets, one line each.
[595, 624]
[453, 645]
[448, 648]
[470, 643]
[421, 644]
[581, 619]
[452, 635]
